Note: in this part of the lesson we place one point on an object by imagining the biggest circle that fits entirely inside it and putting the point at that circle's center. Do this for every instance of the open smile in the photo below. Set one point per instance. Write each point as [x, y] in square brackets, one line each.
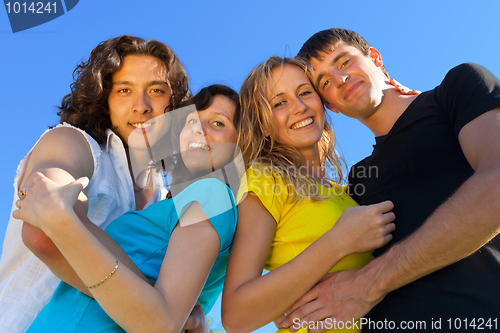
[303, 123]
[198, 145]
[143, 126]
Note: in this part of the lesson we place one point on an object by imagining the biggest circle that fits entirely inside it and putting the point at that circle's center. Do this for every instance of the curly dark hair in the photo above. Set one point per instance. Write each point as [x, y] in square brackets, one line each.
[86, 107]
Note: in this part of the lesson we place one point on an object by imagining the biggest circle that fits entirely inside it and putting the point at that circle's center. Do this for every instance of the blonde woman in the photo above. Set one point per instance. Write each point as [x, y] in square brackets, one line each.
[296, 220]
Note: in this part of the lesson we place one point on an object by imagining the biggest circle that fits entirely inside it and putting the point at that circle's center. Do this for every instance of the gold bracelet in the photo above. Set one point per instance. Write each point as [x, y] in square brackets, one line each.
[107, 277]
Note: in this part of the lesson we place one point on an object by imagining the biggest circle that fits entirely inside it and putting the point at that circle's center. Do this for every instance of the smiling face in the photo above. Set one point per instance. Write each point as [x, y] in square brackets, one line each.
[297, 109]
[349, 81]
[208, 139]
[139, 93]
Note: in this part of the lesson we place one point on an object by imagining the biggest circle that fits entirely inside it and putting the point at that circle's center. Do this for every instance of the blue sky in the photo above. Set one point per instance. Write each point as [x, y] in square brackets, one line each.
[220, 42]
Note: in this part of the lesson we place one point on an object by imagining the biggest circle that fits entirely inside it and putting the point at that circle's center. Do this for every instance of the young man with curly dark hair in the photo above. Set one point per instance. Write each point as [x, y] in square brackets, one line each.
[125, 82]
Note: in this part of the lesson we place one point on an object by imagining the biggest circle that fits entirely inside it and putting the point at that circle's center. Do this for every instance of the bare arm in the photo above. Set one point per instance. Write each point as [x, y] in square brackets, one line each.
[63, 155]
[130, 301]
[250, 300]
[437, 243]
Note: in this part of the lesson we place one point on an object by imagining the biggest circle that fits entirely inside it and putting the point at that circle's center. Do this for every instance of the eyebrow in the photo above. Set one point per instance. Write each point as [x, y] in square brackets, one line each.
[212, 113]
[301, 85]
[149, 84]
[275, 96]
[223, 115]
[320, 76]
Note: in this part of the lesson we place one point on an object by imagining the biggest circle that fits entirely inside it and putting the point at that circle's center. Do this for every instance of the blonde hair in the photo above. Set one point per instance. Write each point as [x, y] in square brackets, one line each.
[259, 149]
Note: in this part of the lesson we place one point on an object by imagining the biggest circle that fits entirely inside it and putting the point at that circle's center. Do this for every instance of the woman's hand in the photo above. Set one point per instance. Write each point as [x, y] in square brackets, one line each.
[402, 89]
[196, 322]
[47, 202]
[365, 228]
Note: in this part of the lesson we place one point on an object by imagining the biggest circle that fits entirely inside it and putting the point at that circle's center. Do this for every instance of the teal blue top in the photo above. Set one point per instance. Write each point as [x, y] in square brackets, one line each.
[144, 236]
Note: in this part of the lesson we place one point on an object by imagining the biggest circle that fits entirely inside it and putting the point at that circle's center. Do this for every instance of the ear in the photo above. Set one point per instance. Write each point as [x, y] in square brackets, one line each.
[376, 57]
[330, 107]
[266, 133]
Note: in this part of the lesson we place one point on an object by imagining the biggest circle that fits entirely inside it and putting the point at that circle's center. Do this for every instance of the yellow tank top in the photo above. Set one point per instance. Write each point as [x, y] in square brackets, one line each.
[300, 223]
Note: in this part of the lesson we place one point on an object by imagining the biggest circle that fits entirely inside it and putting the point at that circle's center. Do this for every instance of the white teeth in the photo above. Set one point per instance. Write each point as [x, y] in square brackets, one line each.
[141, 125]
[197, 145]
[303, 123]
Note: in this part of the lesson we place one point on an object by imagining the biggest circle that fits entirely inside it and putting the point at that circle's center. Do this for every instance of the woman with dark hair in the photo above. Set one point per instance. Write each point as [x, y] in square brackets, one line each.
[180, 244]
[125, 82]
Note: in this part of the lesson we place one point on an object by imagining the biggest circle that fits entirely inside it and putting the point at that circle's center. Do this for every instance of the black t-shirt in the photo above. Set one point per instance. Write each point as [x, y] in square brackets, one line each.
[418, 165]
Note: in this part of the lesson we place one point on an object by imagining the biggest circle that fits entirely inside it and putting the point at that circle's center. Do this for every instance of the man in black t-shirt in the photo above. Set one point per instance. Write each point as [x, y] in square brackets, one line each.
[437, 157]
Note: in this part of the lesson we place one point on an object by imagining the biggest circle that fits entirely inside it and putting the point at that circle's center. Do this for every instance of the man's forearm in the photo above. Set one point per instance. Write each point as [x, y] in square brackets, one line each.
[452, 232]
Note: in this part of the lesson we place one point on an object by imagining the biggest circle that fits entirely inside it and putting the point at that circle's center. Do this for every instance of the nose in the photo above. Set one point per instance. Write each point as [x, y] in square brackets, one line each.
[299, 106]
[141, 104]
[198, 128]
[340, 77]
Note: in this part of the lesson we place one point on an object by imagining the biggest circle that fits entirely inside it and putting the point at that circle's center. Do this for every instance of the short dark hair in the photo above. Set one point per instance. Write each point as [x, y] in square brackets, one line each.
[324, 42]
[86, 107]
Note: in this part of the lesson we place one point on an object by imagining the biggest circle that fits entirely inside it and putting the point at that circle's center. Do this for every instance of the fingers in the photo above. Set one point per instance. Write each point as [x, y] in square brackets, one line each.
[383, 206]
[314, 322]
[402, 89]
[305, 313]
[196, 321]
[321, 326]
[79, 184]
[38, 176]
[331, 107]
[310, 296]
[395, 83]
[16, 214]
[325, 277]
[83, 181]
[387, 238]
[191, 323]
[305, 305]
[388, 217]
[279, 321]
[389, 227]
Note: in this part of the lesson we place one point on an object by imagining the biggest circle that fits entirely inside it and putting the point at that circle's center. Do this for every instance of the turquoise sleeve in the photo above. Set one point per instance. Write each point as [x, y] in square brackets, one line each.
[218, 204]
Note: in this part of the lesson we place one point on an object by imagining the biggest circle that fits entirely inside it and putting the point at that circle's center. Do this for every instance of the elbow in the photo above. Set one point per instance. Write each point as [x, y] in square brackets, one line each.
[232, 322]
[230, 327]
[162, 326]
[235, 329]
[38, 243]
[166, 324]
[170, 328]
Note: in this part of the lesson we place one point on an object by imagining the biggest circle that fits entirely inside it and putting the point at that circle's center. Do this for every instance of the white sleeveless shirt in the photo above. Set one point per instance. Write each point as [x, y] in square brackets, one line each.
[26, 283]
